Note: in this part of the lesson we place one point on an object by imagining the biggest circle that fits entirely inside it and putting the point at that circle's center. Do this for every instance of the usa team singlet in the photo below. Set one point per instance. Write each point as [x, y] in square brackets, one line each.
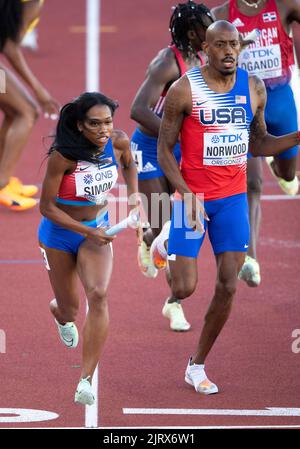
[271, 56]
[215, 136]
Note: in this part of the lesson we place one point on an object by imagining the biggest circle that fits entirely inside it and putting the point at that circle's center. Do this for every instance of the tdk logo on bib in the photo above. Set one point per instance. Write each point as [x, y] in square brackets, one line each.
[222, 116]
[227, 138]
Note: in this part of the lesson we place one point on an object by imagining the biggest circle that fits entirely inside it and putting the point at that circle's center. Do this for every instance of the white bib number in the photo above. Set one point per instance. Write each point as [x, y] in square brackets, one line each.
[226, 148]
[94, 184]
[264, 62]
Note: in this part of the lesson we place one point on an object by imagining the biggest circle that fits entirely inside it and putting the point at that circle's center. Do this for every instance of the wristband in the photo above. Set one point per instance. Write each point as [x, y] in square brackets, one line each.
[298, 136]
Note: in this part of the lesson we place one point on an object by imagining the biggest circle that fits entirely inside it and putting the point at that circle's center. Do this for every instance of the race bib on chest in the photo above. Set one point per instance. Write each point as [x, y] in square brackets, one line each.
[264, 62]
[93, 182]
[225, 148]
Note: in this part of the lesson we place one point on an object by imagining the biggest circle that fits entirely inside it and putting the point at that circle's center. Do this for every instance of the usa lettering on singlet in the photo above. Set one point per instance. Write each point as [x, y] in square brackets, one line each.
[214, 138]
[271, 55]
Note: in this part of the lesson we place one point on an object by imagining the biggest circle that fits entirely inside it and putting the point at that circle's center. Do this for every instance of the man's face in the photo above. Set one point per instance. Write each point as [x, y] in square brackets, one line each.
[223, 50]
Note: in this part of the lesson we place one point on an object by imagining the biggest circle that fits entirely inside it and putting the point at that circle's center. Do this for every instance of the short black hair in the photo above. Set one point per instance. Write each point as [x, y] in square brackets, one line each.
[11, 12]
[68, 140]
[187, 16]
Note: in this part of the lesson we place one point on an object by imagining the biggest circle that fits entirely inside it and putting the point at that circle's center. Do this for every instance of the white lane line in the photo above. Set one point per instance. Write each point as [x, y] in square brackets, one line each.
[279, 197]
[25, 415]
[269, 411]
[93, 21]
[208, 427]
[92, 45]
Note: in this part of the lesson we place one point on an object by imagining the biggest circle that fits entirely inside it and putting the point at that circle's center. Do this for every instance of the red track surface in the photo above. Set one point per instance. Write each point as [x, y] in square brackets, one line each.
[143, 363]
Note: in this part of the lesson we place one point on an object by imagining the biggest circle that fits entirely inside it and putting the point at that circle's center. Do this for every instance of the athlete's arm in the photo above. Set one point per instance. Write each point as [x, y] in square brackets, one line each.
[220, 12]
[178, 104]
[56, 168]
[161, 71]
[261, 143]
[12, 51]
[121, 144]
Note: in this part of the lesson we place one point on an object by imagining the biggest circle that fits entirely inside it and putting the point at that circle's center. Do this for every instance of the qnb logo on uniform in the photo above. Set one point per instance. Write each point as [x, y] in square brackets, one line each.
[104, 184]
[222, 116]
[94, 185]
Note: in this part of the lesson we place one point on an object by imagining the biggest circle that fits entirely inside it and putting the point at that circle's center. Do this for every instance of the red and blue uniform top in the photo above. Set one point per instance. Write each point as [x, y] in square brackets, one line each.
[159, 107]
[272, 54]
[215, 136]
[90, 183]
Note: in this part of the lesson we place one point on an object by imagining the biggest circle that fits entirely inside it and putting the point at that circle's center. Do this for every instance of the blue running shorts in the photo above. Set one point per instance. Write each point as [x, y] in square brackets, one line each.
[57, 237]
[281, 116]
[228, 228]
[144, 153]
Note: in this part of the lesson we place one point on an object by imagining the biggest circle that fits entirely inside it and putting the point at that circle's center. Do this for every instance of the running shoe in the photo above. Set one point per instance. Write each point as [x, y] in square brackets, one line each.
[158, 252]
[196, 376]
[145, 262]
[174, 312]
[68, 334]
[17, 187]
[288, 187]
[15, 202]
[250, 272]
[84, 393]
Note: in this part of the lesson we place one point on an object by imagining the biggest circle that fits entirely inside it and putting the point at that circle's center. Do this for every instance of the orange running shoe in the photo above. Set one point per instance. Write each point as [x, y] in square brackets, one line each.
[158, 252]
[196, 376]
[15, 202]
[21, 189]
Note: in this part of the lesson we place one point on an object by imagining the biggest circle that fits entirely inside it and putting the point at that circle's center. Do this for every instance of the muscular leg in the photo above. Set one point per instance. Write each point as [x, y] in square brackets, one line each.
[285, 168]
[183, 276]
[63, 278]
[254, 189]
[5, 125]
[21, 123]
[228, 266]
[94, 266]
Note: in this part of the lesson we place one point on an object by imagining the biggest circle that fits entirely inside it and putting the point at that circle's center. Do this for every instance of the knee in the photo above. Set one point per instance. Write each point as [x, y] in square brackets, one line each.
[225, 291]
[97, 299]
[254, 184]
[183, 290]
[30, 115]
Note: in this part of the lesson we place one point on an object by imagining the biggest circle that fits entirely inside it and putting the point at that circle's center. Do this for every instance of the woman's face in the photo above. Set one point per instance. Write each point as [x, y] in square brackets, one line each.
[98, 125]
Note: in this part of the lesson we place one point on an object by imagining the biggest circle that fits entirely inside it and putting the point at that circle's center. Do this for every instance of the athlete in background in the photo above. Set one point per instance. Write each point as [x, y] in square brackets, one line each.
[188, 24]
[19, 108]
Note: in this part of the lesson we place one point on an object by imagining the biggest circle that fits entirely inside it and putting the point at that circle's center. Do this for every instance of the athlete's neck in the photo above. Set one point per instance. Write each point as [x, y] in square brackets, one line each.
[251, 7]
[217, 81]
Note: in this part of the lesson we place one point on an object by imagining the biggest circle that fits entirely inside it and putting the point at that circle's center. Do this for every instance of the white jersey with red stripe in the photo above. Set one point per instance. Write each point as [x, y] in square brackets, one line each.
[271, 56]
[215, 136]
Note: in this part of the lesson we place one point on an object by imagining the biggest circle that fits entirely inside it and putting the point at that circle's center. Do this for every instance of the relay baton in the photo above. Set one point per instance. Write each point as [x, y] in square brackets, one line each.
[132, 221]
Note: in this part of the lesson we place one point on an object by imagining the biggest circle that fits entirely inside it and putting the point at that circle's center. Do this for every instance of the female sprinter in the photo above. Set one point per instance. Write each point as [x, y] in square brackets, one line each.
[82, 169]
